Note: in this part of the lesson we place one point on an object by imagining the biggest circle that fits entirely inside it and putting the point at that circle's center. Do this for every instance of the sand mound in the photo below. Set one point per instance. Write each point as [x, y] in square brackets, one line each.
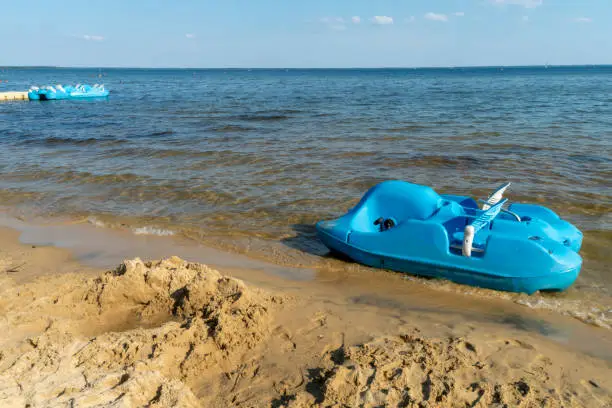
[146, 333]
[412, 371]
[178, 334]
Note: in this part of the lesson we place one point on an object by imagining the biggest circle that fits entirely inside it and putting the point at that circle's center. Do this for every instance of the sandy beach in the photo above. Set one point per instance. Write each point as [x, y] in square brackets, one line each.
[317, 204]
[177, 333]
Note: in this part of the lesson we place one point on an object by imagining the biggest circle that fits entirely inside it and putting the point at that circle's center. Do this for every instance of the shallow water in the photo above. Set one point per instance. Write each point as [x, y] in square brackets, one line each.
[249, 160]
[361, 289]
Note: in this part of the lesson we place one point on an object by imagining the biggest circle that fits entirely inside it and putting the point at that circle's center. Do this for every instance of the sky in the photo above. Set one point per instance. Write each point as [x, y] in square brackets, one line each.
[304, 33]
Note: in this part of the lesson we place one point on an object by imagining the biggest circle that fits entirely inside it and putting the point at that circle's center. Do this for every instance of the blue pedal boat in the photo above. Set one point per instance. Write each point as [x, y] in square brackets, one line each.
[49, 93]
[410, 228]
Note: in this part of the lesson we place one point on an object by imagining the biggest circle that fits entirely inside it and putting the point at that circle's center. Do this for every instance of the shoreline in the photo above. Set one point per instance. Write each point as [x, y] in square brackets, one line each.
[55, 308]
[99, 244]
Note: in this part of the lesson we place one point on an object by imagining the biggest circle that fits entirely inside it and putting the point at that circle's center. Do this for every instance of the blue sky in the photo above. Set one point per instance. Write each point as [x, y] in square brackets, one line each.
[307, 33]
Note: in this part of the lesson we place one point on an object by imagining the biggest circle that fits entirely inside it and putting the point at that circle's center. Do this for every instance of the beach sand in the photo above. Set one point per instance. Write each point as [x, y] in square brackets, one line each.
[172, 333]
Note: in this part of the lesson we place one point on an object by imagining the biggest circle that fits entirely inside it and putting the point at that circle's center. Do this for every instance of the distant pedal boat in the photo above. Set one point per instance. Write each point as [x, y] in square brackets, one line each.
[410, 228]
[49, 93]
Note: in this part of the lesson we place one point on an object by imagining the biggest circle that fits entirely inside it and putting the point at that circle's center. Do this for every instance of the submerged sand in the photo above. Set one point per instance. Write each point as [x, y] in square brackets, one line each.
[172, 333]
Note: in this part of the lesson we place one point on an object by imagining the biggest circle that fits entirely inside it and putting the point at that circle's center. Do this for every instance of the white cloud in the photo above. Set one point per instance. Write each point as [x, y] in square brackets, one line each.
[525, 18]
[332, 20]
[524, 3]
[436, 17]
[382, 20]
[334, 23]
[460, 14]
[190, 36]
[583, 20]
[410, 19]
[356, 19]
[93, 37]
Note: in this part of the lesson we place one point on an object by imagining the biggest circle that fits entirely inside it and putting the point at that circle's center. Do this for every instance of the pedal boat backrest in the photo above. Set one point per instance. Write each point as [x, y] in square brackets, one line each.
[395, 200]
[479, 223]
[496, 196]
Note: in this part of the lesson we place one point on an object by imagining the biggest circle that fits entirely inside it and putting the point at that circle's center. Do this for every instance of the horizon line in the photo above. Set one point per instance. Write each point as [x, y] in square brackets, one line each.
[307, 68]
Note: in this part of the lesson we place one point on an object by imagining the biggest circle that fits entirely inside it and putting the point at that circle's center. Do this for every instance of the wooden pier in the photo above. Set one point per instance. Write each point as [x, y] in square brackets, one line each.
[13, 96]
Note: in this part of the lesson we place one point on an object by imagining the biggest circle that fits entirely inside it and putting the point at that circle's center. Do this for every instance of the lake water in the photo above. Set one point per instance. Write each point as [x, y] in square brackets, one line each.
[249, 160]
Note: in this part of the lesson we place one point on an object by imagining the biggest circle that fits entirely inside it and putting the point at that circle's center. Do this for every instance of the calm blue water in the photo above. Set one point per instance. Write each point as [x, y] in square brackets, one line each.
[250, 159]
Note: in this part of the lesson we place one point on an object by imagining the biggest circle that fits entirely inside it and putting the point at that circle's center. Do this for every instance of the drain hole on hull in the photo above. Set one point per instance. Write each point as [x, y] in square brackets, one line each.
[385, 224]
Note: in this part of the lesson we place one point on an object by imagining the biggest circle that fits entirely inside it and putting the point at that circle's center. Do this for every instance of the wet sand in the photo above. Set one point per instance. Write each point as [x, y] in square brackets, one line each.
[351, 283]
[175, 333]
